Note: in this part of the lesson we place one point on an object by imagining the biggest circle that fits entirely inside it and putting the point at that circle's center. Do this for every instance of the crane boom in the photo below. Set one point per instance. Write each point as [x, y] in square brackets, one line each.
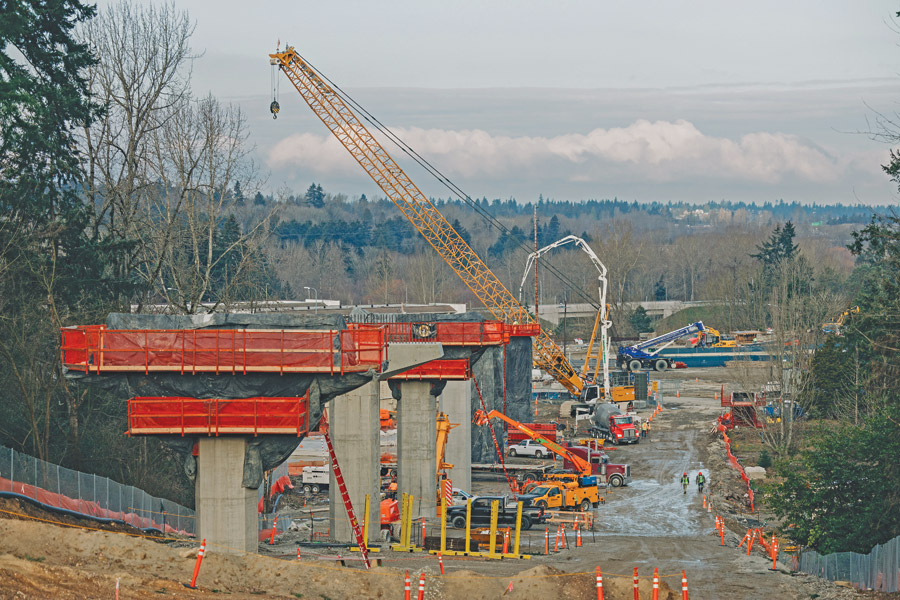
[583, 466]
[415, 206]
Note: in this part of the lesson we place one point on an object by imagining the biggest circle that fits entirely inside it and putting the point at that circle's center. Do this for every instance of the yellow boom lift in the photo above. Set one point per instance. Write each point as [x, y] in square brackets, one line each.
[328, 103]
[559, 490]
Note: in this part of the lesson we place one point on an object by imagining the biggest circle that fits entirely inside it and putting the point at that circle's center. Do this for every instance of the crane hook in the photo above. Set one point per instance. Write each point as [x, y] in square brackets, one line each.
[274, 108]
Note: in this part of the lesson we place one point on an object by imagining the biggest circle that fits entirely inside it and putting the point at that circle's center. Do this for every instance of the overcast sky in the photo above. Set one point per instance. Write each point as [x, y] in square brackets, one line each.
[647, 101]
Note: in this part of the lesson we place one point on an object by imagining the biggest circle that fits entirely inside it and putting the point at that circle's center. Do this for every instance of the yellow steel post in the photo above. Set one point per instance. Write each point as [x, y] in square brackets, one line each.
[403, 528]
[443, 523]
[366, 520]
[518, 527]
[366, 529]
[492, 548]
[468, 524]
[409, 520]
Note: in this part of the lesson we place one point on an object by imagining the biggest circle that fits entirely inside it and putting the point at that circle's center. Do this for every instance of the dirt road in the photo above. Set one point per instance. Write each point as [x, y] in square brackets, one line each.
[649, 524]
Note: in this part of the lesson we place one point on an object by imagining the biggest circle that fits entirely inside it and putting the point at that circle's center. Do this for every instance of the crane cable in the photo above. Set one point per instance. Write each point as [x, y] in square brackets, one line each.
[446, 181]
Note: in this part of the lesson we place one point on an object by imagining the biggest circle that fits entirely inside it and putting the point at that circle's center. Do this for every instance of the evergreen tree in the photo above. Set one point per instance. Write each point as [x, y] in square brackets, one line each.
[640, 320]
[315, 196]
[779, 247]
[259, 199]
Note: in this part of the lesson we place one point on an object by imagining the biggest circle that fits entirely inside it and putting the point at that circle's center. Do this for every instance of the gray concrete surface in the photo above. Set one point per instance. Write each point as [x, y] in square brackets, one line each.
[456, 402]
[355, 432]
[416, 443]
[226, 511]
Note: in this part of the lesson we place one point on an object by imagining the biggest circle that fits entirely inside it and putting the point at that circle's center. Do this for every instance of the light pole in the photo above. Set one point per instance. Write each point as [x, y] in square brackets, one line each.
[307, 288]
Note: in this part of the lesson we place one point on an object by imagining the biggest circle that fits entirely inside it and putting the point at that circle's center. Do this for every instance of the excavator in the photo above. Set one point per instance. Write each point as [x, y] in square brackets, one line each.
[572, 491]
[332, 106]
[835, 326]
[712, 338]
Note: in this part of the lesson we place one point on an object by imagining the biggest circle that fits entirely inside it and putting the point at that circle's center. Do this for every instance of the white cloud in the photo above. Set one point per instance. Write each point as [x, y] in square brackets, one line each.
[660, 151]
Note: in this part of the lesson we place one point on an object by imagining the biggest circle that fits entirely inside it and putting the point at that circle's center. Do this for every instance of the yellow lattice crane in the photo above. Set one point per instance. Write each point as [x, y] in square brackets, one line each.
[330, 107]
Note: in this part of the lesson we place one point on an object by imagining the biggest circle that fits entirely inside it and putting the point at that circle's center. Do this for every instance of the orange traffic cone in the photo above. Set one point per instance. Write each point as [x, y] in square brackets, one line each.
[577, 537]
[684, 590]
[441, 563]
[546, 541]
[506, 541]
[406, 584]
[274, 526]
[422, 586]
[200, 554]
[636, 593]
[599, 584]
[655, 595]
[563, 537]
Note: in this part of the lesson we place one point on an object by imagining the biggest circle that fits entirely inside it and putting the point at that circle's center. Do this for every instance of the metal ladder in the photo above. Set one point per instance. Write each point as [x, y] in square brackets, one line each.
[345, 496]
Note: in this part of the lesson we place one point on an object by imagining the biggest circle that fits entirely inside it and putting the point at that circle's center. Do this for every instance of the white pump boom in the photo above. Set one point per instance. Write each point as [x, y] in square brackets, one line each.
[602, 284]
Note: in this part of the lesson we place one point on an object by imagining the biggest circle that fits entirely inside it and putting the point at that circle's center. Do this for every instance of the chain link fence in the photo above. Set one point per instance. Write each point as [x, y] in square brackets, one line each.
[878, 570]
[82, 494]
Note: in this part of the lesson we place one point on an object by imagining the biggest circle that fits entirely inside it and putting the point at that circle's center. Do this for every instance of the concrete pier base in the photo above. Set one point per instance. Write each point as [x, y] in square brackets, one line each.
[416, 444]
[355, 432]
[226, 511]
[456, 402]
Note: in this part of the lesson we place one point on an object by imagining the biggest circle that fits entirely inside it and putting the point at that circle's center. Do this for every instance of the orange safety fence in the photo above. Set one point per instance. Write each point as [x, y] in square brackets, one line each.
[479, 333]
[191, 416]
[733, 461]
[95, 349]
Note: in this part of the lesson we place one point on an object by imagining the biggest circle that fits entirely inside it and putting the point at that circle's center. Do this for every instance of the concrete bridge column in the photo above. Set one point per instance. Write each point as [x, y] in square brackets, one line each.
[416, 444]
[456, 402]
[354, 427]
[226, 510]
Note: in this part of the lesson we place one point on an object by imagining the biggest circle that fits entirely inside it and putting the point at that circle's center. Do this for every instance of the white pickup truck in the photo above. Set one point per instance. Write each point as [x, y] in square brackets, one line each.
[528, 448]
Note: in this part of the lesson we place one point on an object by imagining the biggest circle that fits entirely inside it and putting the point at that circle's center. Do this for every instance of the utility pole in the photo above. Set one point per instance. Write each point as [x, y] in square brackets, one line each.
[536, 311]
[565, 320]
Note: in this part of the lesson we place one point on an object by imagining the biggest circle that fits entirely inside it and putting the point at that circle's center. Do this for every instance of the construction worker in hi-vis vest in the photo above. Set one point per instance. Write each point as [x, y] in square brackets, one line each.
[685, 481]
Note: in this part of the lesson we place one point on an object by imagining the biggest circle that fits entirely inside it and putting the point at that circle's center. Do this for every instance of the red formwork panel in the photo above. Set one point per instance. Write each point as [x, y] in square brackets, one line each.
[213, 417]
[95, 349]
[444, 369]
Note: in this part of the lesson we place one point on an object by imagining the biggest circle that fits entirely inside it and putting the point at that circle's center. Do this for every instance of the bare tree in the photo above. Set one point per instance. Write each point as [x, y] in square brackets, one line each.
[796, 311]
[142, 79]
[195, 252]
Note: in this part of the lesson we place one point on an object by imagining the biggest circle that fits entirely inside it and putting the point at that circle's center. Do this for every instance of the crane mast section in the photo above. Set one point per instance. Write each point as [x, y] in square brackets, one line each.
[436, 230]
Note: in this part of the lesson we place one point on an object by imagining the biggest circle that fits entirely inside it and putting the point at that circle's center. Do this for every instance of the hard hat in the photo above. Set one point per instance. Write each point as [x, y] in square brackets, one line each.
[685, 472]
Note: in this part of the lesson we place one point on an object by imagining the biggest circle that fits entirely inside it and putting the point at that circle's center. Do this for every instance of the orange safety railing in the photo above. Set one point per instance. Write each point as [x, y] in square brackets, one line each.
[479, 333]
[212, 417]
[95, 349]
[444, 369]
